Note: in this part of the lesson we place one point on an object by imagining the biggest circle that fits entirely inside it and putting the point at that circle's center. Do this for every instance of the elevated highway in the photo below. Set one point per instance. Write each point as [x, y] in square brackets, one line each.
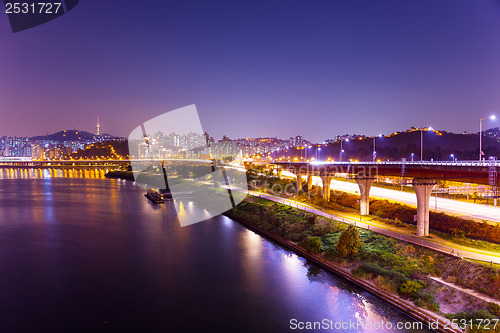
[422, 175]
[467, 172]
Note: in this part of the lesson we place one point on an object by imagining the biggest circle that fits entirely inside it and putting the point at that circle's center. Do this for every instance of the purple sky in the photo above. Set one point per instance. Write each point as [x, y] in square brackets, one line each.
[255, 68]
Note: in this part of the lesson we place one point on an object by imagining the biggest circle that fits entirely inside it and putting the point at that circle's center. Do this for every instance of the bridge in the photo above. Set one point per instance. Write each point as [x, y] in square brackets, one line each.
[423, 177]
[29, 163]
[45, 164]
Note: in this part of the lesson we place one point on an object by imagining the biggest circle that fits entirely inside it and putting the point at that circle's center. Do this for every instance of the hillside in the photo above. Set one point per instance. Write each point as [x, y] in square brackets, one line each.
[72, 135]
[114, 149]
[438, 145]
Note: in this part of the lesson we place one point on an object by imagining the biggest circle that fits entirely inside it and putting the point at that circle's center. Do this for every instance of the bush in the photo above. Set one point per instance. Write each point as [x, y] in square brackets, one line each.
[330, 254]
[494, 308]
[452, 225]
[411, 287]
[473, 315]
[398, 222]
[371, 268]
[345, 199]
[313, 245]
[311, 220]
[349, 242]
[426, 300]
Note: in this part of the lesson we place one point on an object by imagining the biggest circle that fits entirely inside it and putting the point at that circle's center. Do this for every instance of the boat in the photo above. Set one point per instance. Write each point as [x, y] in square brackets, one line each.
[154, 196]
[166, 194]
[162, 194]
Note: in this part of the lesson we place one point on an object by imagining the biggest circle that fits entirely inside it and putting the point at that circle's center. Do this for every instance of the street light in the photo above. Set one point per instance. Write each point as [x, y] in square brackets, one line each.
[300, 151]
[412, 156]
[375, 150]
[492, 117]
[318, 150]
[422, 142]
[452, 157]
[341, 149]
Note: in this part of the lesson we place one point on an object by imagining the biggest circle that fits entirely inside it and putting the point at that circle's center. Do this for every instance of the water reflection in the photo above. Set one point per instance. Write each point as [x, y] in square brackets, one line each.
[93, 251]
[48, 204]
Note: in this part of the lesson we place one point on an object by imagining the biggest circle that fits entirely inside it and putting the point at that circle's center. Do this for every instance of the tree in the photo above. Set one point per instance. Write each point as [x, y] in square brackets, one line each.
[313, 244]
[349, 242]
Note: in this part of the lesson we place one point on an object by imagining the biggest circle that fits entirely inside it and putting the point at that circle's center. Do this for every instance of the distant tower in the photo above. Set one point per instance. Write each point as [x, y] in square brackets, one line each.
[98, 127]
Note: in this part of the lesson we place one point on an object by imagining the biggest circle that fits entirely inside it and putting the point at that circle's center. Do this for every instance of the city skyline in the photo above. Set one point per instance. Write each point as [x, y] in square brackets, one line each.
[332, 137]
[368, 68]
[439, 145]
[289, 164]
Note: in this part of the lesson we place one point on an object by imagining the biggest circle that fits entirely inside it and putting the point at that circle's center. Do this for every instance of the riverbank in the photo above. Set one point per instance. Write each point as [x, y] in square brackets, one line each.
[457, 229]
[120, 174]
[384, 266]
[395, 271]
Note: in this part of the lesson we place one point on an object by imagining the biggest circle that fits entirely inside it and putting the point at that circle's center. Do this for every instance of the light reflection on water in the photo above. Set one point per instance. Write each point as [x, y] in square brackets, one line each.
[97, 253]
[38, 173]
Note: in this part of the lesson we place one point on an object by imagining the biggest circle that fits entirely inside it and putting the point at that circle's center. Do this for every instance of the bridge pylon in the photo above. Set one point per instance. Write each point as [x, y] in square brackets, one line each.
[300, 180]
[309, 183]
[365, 184]
[423, 188]
[278, 172]
[326, 180]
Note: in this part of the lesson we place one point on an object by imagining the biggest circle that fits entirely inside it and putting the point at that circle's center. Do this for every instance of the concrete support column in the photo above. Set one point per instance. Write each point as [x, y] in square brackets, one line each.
[278, 172]
[326, 187]
[309, 183]
[423, 188]
[365, 184]
[299, 183]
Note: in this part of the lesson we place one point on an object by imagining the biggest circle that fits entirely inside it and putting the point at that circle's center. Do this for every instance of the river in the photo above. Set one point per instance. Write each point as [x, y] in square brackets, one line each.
[93, 254]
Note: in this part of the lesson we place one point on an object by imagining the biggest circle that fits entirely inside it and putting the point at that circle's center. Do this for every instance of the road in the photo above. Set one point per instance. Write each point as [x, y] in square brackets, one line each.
[437, 244]
[449, 206]
[455, 207]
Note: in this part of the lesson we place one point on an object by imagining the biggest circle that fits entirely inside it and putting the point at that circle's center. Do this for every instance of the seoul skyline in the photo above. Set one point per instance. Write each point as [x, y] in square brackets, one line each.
[316, 69]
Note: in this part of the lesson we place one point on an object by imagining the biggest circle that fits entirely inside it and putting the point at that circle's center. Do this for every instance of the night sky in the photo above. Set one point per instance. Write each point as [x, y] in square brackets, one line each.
[255, 68]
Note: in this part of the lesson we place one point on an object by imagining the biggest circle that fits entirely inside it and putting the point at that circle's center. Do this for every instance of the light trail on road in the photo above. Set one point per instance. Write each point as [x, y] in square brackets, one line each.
[448, 247]
[455, 207]
[449, 206]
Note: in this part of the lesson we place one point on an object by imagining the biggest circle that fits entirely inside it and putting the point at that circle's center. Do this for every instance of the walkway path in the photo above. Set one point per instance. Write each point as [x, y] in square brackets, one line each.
[404, 234]
[467, 291]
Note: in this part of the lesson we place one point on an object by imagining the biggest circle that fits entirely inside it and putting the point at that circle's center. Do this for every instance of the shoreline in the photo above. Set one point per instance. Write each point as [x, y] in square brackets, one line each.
[118, 174]
[422, 315]
[406, 307]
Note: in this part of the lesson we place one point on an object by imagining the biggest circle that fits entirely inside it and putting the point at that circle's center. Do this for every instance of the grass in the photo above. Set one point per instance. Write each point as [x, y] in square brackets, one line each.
[472, 243]
[388, 262]
[485, 263]
[453, 225]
